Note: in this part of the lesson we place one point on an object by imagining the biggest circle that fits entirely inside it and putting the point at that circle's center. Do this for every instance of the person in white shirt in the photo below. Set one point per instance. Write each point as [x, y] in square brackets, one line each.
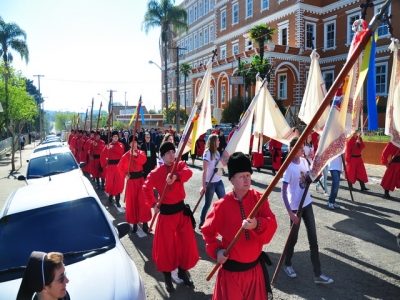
[335, 167]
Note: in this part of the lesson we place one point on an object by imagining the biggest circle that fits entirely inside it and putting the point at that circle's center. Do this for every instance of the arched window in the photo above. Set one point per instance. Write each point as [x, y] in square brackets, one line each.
[211, 96]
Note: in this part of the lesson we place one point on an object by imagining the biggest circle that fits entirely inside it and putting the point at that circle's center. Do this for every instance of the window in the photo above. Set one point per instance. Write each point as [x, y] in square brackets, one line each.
[235, 49]
[195, 41]
[310, 34]
[195, 12]
[282, 79]
[284, 37]
[190, 16]
[205, 36]
[223, 94]
[181, 51]
[211, 96]
[200, 9]
[235, 13]
[382, 30]
[205, 6]
[190, 44]
[249, 44]
[381, 76]
[211, 5]
[200, 38]
[222, 52]
[350, 20]
[264, 4]
[249, 8]
[223, 20]
[330, 35]
[328, 78]
[186, 46]
[211, 33]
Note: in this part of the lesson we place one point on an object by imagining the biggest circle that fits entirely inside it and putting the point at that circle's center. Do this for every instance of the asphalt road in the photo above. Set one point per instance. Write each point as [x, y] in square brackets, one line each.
[357, 246]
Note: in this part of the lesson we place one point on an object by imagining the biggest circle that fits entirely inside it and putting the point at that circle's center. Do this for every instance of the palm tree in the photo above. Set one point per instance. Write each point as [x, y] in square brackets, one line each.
[260, 34]
[185, 69]
[12, 37]
[170, 18]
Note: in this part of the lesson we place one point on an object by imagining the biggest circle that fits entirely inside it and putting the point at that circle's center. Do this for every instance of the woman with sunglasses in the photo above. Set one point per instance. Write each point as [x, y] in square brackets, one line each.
[44, 276]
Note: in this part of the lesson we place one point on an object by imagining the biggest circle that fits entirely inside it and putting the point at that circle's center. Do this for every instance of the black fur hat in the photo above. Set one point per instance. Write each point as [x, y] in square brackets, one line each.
[131, 138]
[114, 133]
[237, 163]
[166, 147]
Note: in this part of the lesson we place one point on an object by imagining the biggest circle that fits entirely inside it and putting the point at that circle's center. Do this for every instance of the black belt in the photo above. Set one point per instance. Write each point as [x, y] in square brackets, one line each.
[96, 155]
[113, 162]
[396, 159]
[235, 266]
[356, 156]
[135, 175]
[170, 209]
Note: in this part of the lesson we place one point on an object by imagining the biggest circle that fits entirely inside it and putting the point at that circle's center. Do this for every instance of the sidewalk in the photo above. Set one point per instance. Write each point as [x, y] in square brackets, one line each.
[8, 180]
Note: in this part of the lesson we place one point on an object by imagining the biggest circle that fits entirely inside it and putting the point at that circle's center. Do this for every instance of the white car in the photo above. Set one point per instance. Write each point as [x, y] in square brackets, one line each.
[51, 145]
[68, 218]
[51, 164]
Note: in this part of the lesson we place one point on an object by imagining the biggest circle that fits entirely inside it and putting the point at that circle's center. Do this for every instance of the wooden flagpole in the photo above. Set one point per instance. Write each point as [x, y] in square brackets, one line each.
[84, 127]
[328, 97]
[91, 115]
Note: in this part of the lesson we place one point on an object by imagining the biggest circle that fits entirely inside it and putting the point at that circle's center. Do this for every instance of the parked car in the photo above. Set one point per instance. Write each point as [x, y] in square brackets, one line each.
[51, 164]
[48, 146]
[75, 223]
[268, 157]
[51, 140]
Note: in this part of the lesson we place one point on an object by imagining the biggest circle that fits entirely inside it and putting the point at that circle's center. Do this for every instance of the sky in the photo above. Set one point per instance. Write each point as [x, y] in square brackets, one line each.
[85, 48]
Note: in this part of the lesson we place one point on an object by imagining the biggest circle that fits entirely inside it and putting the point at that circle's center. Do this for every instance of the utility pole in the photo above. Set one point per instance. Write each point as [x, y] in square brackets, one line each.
[112, 106]
[40, 108]
[178, 102]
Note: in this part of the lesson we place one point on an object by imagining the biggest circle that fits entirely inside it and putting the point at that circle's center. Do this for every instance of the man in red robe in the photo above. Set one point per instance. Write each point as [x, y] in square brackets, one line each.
[355, 164]
[83, 154]
[232, 132]
[257, 159]
[243, 273]
[391, 159]
[174, 243]
[131, 167]
[95, 148]
[275, 148]
[109, 160]
[78, 145]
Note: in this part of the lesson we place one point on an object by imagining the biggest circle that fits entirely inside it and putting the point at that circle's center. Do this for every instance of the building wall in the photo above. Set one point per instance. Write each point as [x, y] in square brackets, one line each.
[292, 59]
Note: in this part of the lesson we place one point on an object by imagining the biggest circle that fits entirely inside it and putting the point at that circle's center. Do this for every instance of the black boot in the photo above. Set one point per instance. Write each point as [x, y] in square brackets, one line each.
[134, 228]
[98, 183]
[117, 198]
[168, 282]
[110, 199]
[184, 275]
[363, 187]
[273, 172]
[351, 186]
[102, 184]
[145, 228]
[386, 195]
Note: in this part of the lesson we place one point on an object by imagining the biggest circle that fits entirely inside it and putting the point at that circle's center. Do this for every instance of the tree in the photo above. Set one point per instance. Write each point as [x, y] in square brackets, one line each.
[62, 121]
[185, 69]
[119, 125]
[152, 112]
[233, 111]
[261, 34]
[172, 112]
[170, 18]
[12, 37]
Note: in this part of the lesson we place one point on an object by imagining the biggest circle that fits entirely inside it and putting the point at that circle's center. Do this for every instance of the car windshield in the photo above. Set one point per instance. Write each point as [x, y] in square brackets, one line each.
[47, 147]
[51, 164]
[78, 225]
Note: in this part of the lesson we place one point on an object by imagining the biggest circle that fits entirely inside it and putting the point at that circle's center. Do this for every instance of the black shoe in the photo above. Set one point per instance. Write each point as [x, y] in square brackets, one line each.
[145, 228]
[110, 199]
[134, 229]
[273, 172]
[201, 224]
[168, 282]
[117, 204]
[184, 275]
[117, 198]
[258, 169]
[386, 195]
[362, 185]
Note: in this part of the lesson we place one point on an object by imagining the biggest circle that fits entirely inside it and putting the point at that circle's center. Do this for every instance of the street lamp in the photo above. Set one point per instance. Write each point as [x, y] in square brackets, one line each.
[166, 89]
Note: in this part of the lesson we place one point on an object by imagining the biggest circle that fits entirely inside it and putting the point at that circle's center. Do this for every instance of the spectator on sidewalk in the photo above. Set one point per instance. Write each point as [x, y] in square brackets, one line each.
[22, 141]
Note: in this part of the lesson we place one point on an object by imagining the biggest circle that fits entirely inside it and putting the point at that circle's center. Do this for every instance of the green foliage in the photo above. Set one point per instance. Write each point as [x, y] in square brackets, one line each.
[152, 111]
[63, 121]
[261, 33]
[119, 125]
[172, 113]
[232, 112]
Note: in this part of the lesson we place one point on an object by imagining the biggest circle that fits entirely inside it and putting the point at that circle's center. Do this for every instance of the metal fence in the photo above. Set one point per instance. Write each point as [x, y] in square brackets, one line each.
[5, 146]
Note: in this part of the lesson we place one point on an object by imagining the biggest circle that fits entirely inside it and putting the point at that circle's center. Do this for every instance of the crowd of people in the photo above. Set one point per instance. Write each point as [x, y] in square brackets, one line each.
[142, 163]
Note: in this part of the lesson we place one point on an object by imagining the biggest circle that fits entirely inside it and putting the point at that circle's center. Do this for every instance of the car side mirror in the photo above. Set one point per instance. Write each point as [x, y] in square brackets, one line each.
[123, 229]
[82, 165]
[27, 160]
[21, 177]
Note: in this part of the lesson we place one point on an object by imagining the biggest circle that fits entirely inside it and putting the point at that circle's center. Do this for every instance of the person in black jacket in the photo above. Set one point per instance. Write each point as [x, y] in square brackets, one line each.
[222, 141]
[159, 139]
[150, 149]
[125, 141]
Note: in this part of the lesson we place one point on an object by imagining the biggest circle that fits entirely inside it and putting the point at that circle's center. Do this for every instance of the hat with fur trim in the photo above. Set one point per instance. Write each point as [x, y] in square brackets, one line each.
[238, 163]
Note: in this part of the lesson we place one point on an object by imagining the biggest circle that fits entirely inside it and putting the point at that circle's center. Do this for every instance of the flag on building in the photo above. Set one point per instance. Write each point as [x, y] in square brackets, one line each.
[392, 121]
[200, 114]
[314, 95]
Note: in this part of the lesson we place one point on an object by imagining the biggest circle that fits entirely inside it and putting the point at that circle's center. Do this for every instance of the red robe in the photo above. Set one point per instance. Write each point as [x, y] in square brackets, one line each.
[355, 164]
[200, 145]
[136, 208]
[78, 148]
[225, 219]
[174, 241]
[83, 157]
[230, 135]
[114, 180]
[94, 152]
[391, 179]
[276, 153]
[257, 159]
[72, 144]
[315, 140]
